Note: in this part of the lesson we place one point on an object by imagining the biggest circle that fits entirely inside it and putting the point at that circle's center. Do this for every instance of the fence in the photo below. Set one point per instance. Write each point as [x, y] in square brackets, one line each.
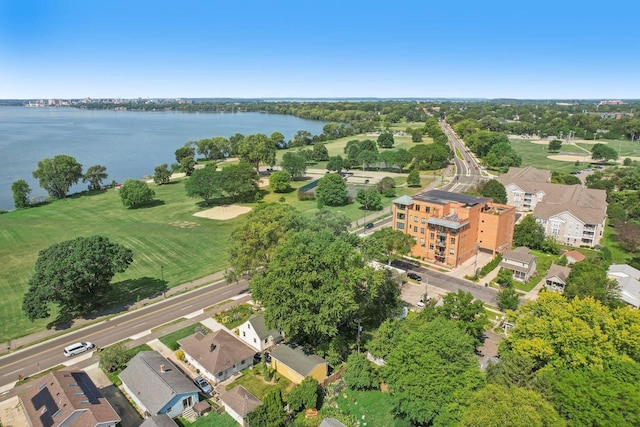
[309, 186]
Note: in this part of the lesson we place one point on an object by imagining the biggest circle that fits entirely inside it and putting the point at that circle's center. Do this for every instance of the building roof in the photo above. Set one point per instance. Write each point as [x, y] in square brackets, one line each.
[449, 223]
[296, 358]
[331, 422]
[67, 395]
[240, 400]
[444, 197]
[403, 200]
[155, 380]
[259, 325]
[629, 280]
[161, 420]
[558, 271]
[520, 254]
[525, 174]
[575, 255]
[216, 351]
[623, 270]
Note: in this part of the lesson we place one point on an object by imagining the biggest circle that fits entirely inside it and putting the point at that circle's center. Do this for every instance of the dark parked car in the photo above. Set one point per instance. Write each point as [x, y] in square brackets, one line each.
[368, 226]
[414, 276]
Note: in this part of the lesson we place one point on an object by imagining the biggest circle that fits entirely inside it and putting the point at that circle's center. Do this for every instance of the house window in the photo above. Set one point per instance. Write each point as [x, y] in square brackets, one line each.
[254, 341]
[417, 207]
[169, 409]
[244, 334]
[399, 226]
[415, 219]
[415, 229]
[242, 362]
[431, 246]
[452, 252]
[453, 240]
[427, 209]
[422, 230]
[422, 242]
[424, 220]
[431, 236]
[219, 374]
[266, 340]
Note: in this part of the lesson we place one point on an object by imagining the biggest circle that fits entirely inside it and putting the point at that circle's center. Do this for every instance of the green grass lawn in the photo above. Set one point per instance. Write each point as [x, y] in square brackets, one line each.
[113, 376]
[253, 381]
[234, 316]
[212, 419]
[171, 340]
[166, 235]
[618, 255]
[624, 147]
[536, 155]
[543, 263]
[374, 405]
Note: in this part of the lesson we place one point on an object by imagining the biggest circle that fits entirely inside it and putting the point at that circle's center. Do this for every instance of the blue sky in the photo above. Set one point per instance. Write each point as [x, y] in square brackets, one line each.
[303, 48]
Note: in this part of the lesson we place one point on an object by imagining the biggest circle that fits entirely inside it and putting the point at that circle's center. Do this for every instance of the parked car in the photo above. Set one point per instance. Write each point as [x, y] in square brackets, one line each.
[368, 226]
[414, 276]
[423, 301]
[77, 348]
[203, 385]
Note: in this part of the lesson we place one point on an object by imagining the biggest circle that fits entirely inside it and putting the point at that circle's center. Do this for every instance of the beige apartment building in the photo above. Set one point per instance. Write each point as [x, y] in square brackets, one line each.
[450, 228]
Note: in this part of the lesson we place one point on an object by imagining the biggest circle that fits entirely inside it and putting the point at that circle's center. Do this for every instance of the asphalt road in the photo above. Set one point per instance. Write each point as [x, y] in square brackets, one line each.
[49, 353]
[468, 172]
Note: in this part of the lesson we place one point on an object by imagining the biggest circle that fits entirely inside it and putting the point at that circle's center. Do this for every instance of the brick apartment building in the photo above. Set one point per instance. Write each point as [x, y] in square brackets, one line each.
[449, 228]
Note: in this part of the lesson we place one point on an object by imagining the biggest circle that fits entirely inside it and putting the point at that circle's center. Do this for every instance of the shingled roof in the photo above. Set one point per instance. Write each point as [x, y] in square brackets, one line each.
[216, 351]
[296, 358]
[259, 325]
[240, 400]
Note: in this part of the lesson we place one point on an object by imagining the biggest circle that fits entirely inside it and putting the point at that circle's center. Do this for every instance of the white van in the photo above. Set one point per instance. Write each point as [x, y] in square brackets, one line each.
[77, 348]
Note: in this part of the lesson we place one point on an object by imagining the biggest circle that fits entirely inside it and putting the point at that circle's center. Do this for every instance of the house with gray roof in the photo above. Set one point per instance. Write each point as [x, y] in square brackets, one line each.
[629, 280]
[295, 363]
[67, 398]
[520, 262]
[256, 333]
[217, 355]
[157, 386]
[331, 422]
[556, 278]
[162, 420]
[572, 214]
[238, 402]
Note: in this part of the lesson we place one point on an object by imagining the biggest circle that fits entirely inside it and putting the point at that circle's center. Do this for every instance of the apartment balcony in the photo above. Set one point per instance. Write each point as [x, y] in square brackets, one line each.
[590, 227]
[441, 233]
[439, 253]
[588, 234]
[441, 243]
[401, 216]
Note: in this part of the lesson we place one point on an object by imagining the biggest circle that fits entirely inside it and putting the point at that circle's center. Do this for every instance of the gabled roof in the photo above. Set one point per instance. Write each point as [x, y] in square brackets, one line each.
[331, 422]
[520, 254]
[558, 271]
[216, 351]
[628, 279]
[162, 420]
[296, 358]
[623, 270]
[525, 174]
[155, 380]
[67, 395]
[575, 255]
[240, 400]
[259, 325]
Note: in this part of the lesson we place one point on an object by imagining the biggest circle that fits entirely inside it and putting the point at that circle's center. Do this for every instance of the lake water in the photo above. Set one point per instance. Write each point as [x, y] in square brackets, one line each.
[129, 144]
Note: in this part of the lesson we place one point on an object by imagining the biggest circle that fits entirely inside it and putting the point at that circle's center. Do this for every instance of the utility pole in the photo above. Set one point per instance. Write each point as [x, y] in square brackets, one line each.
[359, 330]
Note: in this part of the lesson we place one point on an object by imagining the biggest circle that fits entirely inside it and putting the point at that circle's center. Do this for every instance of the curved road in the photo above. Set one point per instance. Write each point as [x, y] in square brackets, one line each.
[468, 172]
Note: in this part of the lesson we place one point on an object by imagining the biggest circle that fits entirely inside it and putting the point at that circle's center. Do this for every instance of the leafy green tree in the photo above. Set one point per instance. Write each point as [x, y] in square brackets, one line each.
[495, 190]
[332, 190]
[384, 339]
[528, 233]
[135, 193]
[270, 413]
[162, 174]
[603, 152]
[508, 298]
[204, 184]
[402, 157]
[589, 279]
[513, 370]
[358, 373]
[413, 179]
[58, 174]
[432, 372]
[555, 145]
[74, 275]
[498, 406]
[304, 395]
[502, 156]
[467, 313]
[295, 164]
[256, 149]
[616, 212]
[370, 199]
[627, 162]
[115, 357]
[337, 223]
[94, 176]
[214, 148]
[187, 165]
[21, 191]
[367, 158]
[280, 181]
[320, 152]
[255, 240]
[187, 150]
[505, 278]
[386, 186]
[416, 135]
[277, 138]
[481, 141]
[239, 182]
[302, 138]
[234, 143]
[335, 164]
[387, 245]
[385, 140]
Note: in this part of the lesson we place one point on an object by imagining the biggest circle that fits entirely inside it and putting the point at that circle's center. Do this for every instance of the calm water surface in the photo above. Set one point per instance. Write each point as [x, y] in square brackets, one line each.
[129, 144]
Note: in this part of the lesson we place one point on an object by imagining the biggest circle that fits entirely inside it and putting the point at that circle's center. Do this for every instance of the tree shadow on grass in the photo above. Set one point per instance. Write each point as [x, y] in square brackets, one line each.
[127, 293]
[151, 204]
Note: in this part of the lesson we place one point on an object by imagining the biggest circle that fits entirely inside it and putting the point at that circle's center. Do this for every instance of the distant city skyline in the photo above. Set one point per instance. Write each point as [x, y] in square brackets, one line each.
[349, 49]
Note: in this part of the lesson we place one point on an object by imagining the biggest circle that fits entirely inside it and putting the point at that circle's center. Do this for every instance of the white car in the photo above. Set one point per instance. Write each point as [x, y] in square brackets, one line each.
[77, 348]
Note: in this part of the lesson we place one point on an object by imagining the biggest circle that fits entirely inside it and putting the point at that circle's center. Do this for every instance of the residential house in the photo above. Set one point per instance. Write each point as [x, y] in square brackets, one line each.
[217, 355]
[238, 402]
[331, 422]
[67, 398]
[520, 261]
[450, 228]
[157, 386]
[573, 257]
[256, 333]
[295, 363]
[162, 420]
[629, 280]
[572, 214]
[556, 278]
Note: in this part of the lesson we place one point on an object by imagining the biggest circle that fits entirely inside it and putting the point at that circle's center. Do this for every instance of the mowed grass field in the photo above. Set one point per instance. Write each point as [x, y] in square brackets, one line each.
[166, 235]
[536, 155]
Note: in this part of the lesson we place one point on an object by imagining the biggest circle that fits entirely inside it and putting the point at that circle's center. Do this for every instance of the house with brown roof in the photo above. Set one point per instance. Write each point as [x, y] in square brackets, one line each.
[67, 398]
[295, 363]
[217, 355]
[572, 214]
[556, 278]
[574, 256]
[520, 261]
[238, 402]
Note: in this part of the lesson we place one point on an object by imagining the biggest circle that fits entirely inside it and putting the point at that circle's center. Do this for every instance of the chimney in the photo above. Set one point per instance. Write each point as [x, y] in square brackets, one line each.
[162, 368]
[212, 347]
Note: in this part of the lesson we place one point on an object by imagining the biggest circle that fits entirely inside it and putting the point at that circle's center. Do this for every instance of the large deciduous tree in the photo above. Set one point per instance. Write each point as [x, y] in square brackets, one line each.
[58, 174]
[257, 148]
[589, 279]
[603, 152]
[135, 193]
[295, 164]
[387, 245]
[75, 275]
[21, 191]
[280, 181]
[358, 373]
[369, 198]
[203, 183]
[162, 174]
[385, 140]
[304, 395]
[413, 179]
[331, 190]
[432, 372]
[94, 176]
[239, 181]
[528, 233]
[495, 190]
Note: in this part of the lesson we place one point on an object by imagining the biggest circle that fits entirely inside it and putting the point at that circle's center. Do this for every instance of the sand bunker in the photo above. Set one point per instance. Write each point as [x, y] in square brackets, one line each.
[223, 212]
[570, 157]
